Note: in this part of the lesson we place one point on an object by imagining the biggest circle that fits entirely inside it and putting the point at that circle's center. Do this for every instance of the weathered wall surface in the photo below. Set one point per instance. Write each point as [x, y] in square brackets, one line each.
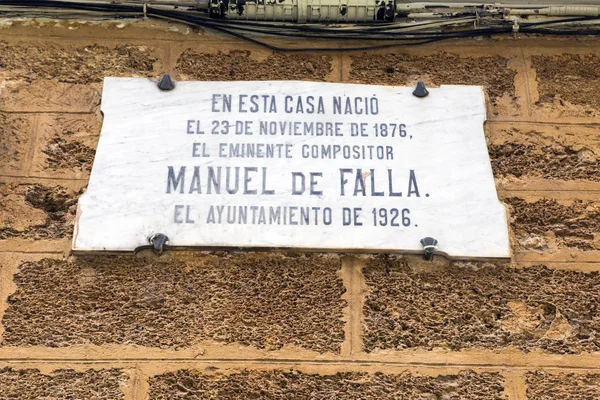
[239, 326]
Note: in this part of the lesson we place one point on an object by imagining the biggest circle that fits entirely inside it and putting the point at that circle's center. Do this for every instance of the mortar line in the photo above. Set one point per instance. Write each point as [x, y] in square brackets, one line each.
[551, 190]
[571, 45]
[142, 391]
[30, 252]
[56, 114]
[535, 122]
[556, 261]
[43, 178]
[514, 385]
[33, 135]
[353, 282]
[46, 112]
[191, 39]
[577, 267]
[135, 379]
[170, 57]
[129, 389]
[519, 257]
[334, 69]
[544, 262]
[527, 83]
[140, 384]
[144, 363]
[118, 39]
[168, 63]
[521, 386]
[347, 277]
[359, 290]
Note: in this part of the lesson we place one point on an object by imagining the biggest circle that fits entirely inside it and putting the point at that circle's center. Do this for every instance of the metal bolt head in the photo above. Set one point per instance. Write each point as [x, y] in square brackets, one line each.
[158, 242]
[429, 244]
[166, 83]
[420, 91]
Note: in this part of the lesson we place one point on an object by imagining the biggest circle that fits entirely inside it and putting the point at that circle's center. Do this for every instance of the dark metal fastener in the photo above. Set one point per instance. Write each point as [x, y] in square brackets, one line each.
[166, 83]
[158, 242]
[429, 244]
[420, 91]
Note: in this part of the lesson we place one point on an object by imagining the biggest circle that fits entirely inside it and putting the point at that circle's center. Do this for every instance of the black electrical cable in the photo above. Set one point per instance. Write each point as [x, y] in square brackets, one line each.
[368, 36]
[386, 27]
[198, 18]
[215, 23]
[438, 37]
[223, 23]
[139, 9]
[206, 20]
[324, 49]
[380, 26]
[578, 32]
[357, 31]
[228, 31]
[231, 23]
[234, 28]
[110, 7]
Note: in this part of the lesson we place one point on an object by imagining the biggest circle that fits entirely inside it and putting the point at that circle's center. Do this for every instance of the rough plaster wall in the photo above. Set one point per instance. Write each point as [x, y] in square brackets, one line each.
[480, 305]
[259, 300]
[545, 386]
[61, 384]
[195, 325]
[347, 385]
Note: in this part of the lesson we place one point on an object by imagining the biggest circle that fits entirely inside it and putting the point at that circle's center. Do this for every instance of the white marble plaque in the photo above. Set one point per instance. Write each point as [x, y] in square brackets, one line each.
[319, 166]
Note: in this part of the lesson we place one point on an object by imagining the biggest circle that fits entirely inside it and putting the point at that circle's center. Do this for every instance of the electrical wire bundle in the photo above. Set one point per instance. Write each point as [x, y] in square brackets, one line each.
[393, 34]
